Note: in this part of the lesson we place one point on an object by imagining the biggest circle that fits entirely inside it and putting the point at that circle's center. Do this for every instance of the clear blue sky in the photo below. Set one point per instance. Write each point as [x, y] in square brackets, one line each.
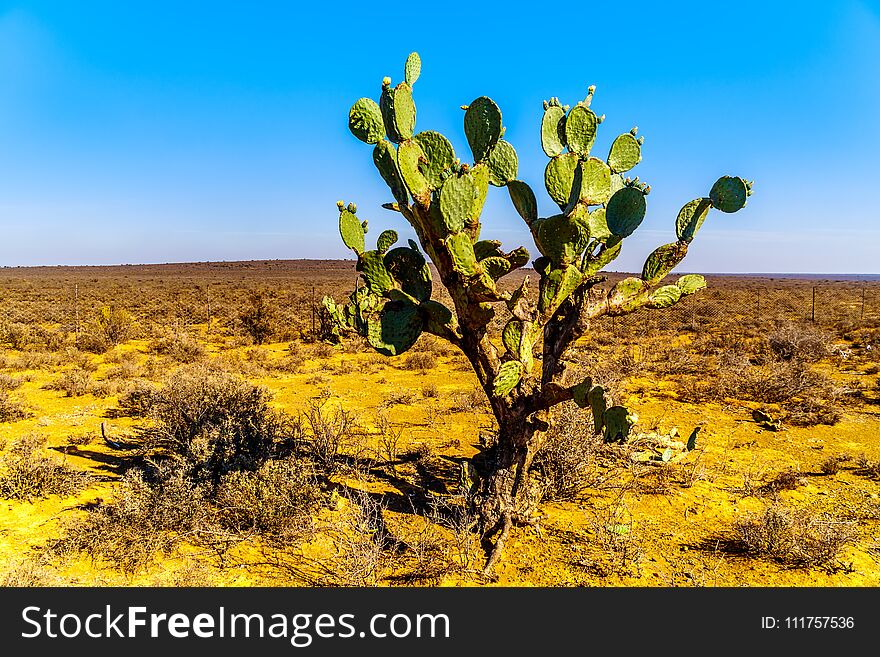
[167, 131]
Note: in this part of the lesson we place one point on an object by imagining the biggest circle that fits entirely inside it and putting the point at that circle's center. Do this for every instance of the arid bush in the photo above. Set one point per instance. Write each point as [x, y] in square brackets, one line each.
[566, 464]
[799, 341]
[214, 420]
[277, 499]
[11, 410]
[794, 537]
[327, 433]
[27, 472]
[73, 383]
[180, 346]
[137, 400]
[92, 342]
[258, 318]
[16, 334]
[420, 360]
[115, 324]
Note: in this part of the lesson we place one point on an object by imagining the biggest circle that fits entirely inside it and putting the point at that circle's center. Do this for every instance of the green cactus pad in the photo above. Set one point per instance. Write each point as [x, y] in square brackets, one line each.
[580, 129]
[598, 404]
[503, 163]
[412, 68]
[365, 121]
[397, 329]
[372, 265]
[662, 260]
[496, 267]
[617, 424]
[385, 159]
[511, 337]
[437, 317]
[519, 257]
[386, 240]
[456, 201]
[386, 107]
[480, 177]
[561, 238]
[729, 193]
[487, 249]
[665, 296]
[461, 250]
[690, 283]
[509, 375]
[559, 177]
[404, 111]
[626, 152]
[438, 153]
[553, 130]
[351, 231]
[410, 161]
[691, 217]
[482, 126]
[598, 225]
[625, 211]
[523, 200]
[617, 183]
[596, 182]
[628, 293]
[409, 269]
[556, 286]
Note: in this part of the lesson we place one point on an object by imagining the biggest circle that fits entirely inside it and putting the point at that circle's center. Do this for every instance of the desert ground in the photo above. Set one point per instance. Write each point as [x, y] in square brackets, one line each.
[122, 387]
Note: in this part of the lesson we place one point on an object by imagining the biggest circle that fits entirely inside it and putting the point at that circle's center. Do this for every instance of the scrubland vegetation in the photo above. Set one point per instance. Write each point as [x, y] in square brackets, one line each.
[189, 425]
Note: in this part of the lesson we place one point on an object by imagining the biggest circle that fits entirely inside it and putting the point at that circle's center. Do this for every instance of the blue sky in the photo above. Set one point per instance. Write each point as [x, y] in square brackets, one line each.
[146, 132]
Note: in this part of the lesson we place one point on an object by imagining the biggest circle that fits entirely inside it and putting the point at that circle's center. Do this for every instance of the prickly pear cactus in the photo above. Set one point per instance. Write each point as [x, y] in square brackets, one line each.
[442, 198]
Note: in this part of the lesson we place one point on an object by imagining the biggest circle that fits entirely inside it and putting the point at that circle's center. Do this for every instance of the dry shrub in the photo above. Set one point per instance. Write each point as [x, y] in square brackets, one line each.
[800, 341]
[277, 499]
[92, 342]
[328, 433]
[430, 391]
[27, 472]
[137, 400]
[420, 360]
[180, 346]
[116, 325]
[8, 382]
[794, 537]
[28, 573]
[258, 318]
[11, 410]
[73, 383]
[566, 462]
[216, 421]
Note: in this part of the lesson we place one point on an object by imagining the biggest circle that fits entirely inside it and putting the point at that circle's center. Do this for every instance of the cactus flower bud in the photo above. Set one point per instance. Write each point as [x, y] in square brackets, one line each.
[600, 119]
[641, 140]
[634, 130]
[591, 89]
[340, 204]
[386, 81]
[352, 208]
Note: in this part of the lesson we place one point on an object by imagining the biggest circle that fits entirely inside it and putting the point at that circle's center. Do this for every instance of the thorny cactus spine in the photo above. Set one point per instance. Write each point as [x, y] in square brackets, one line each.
[442, 198]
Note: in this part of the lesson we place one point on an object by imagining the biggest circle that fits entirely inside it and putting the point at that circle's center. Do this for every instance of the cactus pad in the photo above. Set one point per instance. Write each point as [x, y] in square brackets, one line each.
[372, 265]
[482, 126]
[598, 225]
[553, 130]
[690, 283]
[438, 153]
[461, 251]
[662, 261]
[580, 129]
[351, 231]
[385, 159]
[625, 211]
[404, 111]
[598, 404]
[410, 161]
[412, 68]
[596, 181]
[561, 238]
[559, 177]
[480, 177]
[496, 267]
[365, 121]
[665, 296]
[626, 152]
[509, 375]
[523, 200]
[580, 392]
[398, 327]
[487, 249]
[503, 163]
[456, 201]
[691, 217]
[556, 286]
[386, 240]
[617, 424]
[409, 269]
[729, 193]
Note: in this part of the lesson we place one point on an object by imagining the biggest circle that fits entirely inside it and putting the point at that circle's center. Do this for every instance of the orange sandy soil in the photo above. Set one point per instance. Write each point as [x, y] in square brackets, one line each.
[678, 532]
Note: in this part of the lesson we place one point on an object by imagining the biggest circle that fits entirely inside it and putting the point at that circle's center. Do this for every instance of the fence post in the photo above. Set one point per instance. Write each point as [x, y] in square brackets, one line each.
[862, 312]
[312, 308]
[813, 307]
[76, 307]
